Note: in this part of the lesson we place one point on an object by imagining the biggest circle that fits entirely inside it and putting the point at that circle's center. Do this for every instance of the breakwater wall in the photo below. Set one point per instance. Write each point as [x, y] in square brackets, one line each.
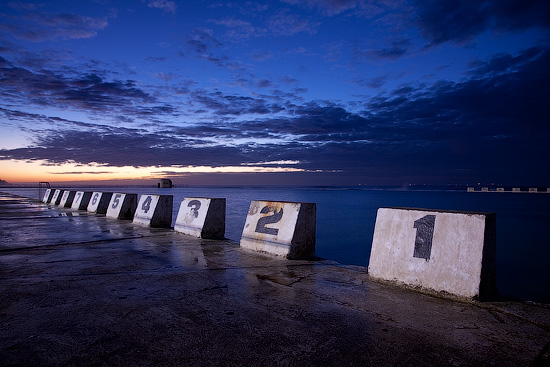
[288, 229]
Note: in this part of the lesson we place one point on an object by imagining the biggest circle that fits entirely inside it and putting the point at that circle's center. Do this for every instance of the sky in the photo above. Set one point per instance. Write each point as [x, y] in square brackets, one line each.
[284, 92]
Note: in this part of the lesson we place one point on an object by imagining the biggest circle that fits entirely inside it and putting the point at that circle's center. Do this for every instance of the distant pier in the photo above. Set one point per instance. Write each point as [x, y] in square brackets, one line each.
[532, 190]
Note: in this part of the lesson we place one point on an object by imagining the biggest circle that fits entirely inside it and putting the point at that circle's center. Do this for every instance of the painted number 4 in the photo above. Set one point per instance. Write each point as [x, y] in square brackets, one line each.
[424, 236]
[146, 204]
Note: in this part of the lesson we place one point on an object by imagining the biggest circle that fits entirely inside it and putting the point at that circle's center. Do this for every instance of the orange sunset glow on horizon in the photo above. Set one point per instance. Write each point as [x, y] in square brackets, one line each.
[23, 172]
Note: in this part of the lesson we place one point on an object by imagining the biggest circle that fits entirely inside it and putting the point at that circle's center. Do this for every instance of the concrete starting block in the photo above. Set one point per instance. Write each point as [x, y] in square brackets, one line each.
[443, 251]
[154, 211]
[48, 196]
[99, 202]
[81, 200]
[122, 206]
[56, 198]
[202, 217]
[281, 228]
[67, 199]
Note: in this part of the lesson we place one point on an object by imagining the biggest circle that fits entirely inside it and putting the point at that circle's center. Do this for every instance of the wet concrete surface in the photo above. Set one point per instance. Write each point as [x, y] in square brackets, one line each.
[79, 289]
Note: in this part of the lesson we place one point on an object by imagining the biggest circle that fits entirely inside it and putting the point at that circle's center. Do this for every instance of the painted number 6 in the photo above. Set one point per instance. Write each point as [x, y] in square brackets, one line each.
[94, 200]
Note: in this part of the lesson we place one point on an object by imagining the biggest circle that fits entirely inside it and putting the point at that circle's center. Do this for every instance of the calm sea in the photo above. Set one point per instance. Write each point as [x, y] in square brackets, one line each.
[346, 218]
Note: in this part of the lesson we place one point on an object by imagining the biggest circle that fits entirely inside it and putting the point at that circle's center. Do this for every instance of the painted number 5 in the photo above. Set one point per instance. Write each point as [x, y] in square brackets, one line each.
[269, 219]
[116, 200]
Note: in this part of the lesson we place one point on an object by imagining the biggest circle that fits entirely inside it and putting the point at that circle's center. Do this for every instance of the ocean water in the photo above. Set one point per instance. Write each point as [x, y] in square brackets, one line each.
[346, 218]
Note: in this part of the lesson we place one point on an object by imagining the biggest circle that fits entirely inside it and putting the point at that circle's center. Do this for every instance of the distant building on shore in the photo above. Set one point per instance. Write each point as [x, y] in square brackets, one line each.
[165, 183]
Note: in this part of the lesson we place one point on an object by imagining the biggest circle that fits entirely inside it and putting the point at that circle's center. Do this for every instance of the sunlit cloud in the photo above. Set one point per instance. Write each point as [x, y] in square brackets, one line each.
[278, 163]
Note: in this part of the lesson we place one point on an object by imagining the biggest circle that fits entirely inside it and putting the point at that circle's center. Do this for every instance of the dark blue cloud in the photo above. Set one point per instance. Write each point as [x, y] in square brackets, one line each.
[398, 48]
[488, 123]
[459, 21]
[38, 85]
[222, 104]
[458, 129]
[29, 24]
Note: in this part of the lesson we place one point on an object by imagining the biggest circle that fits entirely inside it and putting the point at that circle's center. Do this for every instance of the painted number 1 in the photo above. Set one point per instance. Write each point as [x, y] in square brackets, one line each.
[274, 218]
[424, 236]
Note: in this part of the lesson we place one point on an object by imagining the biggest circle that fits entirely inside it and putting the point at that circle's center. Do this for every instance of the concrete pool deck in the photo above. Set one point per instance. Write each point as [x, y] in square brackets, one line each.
[82, 289]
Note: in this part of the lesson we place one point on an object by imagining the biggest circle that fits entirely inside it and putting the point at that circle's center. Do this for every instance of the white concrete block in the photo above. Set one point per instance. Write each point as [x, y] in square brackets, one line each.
[81, 200]
[67, 199]
[48, 196]
[444, 251]
[280, 228]
[122, 206]
[154, 211]
[201, 217]
[99, 202]
[56, 198]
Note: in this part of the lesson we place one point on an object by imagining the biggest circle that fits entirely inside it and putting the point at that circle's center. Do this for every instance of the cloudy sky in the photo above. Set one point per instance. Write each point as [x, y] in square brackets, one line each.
[380, 92]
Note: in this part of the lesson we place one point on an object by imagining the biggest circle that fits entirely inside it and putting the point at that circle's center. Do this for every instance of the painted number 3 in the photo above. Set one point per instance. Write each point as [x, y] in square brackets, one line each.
[269, 219]
[146, 204]
[195, 206]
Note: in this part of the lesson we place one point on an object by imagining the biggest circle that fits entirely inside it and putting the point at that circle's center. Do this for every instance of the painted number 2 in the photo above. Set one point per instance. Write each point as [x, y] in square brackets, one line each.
[424, 236]
[274, 218]
[146, 204]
